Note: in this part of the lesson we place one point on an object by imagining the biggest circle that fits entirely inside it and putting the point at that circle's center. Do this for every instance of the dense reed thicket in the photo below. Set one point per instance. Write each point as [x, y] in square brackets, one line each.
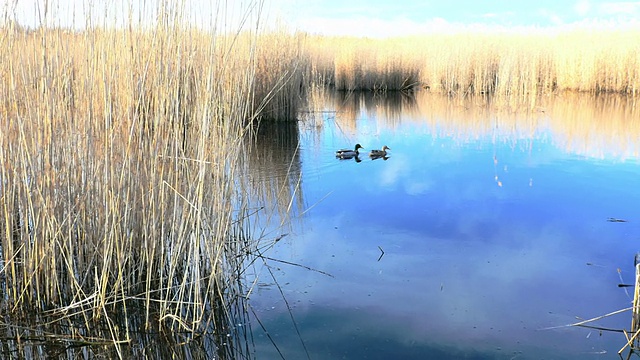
[496, 63]
[120, 165]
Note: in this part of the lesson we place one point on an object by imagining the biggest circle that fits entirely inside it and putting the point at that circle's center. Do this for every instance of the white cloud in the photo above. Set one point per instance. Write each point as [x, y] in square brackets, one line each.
[620, 7]
[582, 7]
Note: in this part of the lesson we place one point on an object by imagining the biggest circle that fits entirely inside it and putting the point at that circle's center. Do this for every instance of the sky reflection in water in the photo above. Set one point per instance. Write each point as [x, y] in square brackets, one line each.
[488, 239]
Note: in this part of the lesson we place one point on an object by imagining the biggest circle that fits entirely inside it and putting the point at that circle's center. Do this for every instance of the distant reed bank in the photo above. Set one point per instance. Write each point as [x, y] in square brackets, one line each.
[495, 63]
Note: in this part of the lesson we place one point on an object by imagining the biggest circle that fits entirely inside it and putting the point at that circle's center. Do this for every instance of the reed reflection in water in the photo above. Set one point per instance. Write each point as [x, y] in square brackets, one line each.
[491, 220]
[274, 167]
[590, 125]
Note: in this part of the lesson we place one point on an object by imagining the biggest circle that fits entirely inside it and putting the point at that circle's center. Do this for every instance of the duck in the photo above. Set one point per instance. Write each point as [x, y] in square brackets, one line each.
[346, 153]
[379, 153]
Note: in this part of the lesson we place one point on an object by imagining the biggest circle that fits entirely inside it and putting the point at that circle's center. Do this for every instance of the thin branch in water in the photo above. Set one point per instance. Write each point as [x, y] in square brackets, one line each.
[294, 264]
[623, 285]
[317, 202]
[293, 320]
[602, 328]
[266, 332]
[580, 323]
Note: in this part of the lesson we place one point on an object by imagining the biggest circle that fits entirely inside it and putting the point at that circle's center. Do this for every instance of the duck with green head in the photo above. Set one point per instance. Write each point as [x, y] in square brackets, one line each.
[347, 153]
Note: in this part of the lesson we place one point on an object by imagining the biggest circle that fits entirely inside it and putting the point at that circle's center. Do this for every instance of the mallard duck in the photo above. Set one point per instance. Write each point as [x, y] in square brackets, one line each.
[379, 153]
[343, 153]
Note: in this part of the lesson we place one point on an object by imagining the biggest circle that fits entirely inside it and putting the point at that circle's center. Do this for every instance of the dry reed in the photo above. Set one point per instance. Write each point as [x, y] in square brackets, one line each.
[120, 154]
[484, 63]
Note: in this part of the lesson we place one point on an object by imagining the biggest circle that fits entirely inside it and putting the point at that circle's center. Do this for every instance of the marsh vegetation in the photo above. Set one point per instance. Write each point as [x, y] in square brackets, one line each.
[126, 205]
[121, 181]
[503, 64]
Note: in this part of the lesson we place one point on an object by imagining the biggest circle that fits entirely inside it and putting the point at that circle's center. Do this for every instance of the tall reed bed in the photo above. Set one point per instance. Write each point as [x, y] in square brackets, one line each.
[347, 63]
[284, 70]
[513, 64]
[119, 172]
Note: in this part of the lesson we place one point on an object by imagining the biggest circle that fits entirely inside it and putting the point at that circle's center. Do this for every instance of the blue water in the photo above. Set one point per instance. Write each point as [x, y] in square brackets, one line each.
[463, 244]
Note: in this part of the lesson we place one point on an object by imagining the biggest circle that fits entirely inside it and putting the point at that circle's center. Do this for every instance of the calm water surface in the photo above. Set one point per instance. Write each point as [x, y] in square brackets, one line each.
[483, 234]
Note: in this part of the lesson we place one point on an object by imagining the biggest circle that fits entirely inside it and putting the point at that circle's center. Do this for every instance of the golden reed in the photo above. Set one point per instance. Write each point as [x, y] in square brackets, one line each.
[483, 63]
[121, 171]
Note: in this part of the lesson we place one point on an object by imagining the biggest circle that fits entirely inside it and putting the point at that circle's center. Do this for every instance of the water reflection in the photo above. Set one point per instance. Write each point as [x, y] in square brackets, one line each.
[590, 125]
[596, 126]
[351, 106]
[493, 223]
[274, 165]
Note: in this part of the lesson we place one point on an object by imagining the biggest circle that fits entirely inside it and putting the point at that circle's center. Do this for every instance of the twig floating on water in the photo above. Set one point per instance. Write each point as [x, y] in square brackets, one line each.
[592, 264]
[280, 237]
[600, 328]
[580, 323]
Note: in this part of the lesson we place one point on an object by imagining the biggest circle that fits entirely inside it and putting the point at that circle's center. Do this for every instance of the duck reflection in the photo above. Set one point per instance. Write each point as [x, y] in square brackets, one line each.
[376, 157]
[354, 157]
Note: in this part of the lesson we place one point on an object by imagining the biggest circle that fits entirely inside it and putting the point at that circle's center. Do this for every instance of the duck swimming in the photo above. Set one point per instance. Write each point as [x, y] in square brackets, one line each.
[379, 153]
[347, 154]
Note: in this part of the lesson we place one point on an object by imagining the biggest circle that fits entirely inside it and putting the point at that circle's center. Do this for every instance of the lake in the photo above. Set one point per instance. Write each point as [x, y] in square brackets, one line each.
[488, 229]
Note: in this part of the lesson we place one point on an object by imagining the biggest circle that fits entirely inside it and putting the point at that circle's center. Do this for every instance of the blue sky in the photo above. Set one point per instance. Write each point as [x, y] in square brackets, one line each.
[373, 18]
[382, 17]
